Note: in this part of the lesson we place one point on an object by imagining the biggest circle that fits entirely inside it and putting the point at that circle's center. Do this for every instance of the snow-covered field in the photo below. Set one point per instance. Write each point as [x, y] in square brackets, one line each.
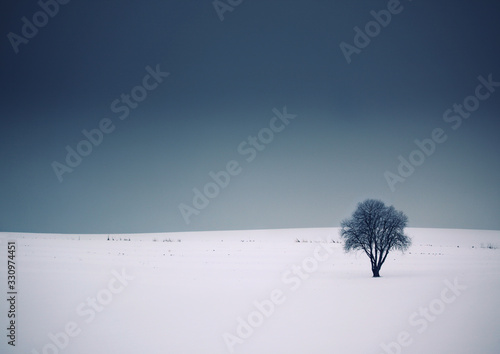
[252, 292]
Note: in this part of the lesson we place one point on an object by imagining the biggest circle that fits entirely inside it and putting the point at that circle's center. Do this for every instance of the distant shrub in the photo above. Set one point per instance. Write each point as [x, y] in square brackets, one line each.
[490, 246]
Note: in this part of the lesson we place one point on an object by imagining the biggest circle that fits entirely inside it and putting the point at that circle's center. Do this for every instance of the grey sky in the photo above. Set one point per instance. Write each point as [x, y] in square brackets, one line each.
[83, 68]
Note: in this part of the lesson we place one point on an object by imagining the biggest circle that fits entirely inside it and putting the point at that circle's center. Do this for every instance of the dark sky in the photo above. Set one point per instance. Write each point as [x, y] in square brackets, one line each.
[354, 122]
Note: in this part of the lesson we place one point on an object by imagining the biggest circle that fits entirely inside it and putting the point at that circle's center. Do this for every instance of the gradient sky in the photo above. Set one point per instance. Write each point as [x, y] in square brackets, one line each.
[352, 121]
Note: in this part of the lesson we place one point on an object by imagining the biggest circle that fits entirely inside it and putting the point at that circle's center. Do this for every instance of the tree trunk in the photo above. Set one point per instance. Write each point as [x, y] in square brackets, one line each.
[375, 271]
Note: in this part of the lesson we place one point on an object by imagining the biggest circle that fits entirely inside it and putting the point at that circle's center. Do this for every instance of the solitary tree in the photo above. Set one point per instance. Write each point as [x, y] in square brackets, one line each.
[376, 229]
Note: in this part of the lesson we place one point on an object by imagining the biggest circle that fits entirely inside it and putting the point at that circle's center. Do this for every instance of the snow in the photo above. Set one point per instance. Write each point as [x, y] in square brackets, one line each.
[189, 293]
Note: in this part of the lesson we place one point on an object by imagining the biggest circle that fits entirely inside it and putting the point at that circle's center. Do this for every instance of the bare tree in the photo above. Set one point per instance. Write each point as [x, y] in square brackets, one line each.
[376, 229]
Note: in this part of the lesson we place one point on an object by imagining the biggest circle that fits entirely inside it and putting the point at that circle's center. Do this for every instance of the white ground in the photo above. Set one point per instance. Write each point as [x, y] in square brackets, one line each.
[193, 296]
